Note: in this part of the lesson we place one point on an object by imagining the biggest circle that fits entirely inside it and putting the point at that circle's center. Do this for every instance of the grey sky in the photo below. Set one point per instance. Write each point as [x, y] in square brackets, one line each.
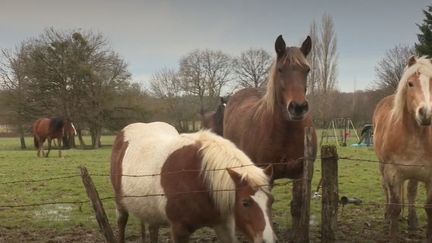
[151, 35]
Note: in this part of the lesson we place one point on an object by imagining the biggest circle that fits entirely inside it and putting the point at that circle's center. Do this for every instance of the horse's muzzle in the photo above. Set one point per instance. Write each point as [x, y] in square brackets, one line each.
[424, 117]
[296, 111]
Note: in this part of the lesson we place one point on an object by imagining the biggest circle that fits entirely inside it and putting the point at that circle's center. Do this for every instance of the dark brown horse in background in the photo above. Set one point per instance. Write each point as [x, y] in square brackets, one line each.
[49, 129]
[213, 120]
[268, 125]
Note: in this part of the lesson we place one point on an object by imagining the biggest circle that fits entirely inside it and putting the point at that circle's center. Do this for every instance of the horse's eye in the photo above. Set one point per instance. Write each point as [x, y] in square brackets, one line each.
[410, 84]
[280, 70]
[247, 203]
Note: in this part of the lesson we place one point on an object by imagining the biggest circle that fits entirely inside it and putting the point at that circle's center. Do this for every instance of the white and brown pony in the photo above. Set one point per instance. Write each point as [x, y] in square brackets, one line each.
[403, 140]
[198, 180]
[268, 125]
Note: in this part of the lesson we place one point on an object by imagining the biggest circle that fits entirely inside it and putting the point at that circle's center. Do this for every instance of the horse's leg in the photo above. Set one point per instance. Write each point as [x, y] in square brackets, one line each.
[154, 233]
[49, 147]
[226, 232]
[296, 204]
[59, 141]
[39, 147]
[386, 205]
[428, 209]
[179, 233]
[143, 232]
[42, 141]
[412, 194]
[122, 218]
[394, 207]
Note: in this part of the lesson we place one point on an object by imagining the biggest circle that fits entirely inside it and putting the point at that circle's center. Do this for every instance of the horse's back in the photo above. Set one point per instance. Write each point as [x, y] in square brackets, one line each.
[41, 127]
[239, 111]
[144, 149]
[244, 96]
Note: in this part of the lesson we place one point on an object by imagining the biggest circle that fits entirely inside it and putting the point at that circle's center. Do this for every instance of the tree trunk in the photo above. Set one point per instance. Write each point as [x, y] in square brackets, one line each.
[80, 138]
[96, 136]
[22, 140]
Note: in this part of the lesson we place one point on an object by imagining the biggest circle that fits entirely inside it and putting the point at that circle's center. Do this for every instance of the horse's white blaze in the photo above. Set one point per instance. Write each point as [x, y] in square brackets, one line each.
[261, 199]
[73, 127]
[425, 86]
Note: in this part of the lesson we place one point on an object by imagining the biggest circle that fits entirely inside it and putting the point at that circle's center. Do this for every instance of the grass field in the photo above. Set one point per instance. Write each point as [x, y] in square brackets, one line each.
[76, 222]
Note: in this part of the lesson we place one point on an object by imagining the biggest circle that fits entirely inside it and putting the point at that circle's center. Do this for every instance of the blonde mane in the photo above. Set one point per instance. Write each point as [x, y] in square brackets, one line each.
[217, 155]
[293, 56]
[422, 65]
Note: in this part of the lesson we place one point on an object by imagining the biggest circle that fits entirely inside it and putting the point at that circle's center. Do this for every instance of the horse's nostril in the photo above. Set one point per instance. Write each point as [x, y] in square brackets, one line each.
[422, 111]
[305, 106]
[300, 108]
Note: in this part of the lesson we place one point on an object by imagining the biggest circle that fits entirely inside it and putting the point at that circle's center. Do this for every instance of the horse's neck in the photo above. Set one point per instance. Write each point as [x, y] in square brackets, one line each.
[273, 122]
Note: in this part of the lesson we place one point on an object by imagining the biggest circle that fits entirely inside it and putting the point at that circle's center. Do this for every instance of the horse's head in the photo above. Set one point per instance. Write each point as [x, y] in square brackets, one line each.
[416, 85]
[69, 127]
[290, 74]
[252, 210]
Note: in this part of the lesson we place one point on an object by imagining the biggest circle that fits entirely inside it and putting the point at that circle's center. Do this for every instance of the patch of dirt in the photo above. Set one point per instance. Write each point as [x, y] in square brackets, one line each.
[349, 231]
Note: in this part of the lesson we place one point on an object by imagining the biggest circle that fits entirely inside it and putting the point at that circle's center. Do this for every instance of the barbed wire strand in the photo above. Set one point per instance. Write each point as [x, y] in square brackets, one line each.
[144, 175]
[139, 196]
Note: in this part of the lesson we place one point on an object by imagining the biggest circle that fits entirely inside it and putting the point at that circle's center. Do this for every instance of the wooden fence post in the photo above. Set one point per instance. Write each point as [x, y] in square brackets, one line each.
[303, 226]
[97, 206]
[330, 194]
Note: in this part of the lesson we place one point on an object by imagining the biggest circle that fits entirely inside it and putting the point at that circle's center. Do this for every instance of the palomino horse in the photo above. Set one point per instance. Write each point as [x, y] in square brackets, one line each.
[193, 180]
[269, 126]
[51, 128]
[403, 140]
[213, 120]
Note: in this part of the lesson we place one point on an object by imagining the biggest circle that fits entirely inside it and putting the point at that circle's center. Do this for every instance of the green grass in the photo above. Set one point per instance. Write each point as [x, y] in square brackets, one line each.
[356, 179]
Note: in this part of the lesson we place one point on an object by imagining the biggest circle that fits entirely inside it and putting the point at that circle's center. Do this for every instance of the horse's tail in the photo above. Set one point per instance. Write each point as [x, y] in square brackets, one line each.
[35, 141]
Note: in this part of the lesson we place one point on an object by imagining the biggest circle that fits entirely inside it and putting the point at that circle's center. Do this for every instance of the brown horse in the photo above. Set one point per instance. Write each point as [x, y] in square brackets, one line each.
[269, 125]
[196, 180]
[213, 120]
[49, 129]
[403, 141]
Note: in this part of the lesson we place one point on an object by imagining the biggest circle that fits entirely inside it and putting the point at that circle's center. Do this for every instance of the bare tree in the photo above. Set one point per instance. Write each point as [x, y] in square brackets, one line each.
[390, 68]
[323, 62]
[204, 73]
[165, 85]
[313, 58]
[252, 67]
[327, 55]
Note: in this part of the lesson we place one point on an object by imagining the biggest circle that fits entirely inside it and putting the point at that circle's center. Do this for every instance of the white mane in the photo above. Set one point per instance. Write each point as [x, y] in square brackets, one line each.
[218, 154]
[422, 65]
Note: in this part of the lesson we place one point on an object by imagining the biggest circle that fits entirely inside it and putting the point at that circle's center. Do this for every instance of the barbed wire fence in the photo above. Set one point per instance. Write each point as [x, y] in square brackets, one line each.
[325, 186]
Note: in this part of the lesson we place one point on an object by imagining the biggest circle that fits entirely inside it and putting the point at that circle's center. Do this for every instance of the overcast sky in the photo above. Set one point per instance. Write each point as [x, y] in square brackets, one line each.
[151, 35]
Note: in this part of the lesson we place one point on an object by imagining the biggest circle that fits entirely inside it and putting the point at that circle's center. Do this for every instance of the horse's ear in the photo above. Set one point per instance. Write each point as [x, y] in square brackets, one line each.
[306, 46]
[236, 177]
[280, 46]
[269, 171]
[411, 61]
